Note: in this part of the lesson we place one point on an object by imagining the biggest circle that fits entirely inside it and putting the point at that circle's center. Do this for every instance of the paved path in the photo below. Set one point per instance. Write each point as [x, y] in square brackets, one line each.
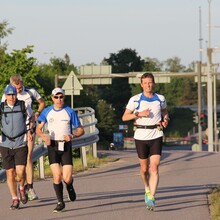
[115, 191]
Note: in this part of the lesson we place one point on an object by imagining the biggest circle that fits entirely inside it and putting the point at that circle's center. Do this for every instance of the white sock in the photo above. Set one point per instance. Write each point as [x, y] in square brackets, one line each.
[147, 189]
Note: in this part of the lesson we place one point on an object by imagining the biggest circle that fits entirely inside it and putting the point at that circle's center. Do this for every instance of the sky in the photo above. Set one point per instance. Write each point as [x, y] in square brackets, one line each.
[90, 30]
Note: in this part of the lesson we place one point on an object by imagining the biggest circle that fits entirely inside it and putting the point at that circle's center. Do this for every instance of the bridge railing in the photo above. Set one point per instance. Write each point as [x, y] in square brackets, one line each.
[88, 140]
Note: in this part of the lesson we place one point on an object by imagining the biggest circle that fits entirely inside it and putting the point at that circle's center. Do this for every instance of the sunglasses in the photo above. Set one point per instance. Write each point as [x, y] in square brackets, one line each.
[58, 97]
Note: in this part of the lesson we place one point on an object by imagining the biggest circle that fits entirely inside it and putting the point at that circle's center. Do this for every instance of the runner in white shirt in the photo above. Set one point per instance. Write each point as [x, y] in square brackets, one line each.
[63, 125]
[148, 109]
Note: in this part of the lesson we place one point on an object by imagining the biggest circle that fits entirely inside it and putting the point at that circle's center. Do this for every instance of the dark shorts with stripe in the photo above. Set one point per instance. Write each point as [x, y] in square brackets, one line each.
[146, 148]
[61, 157]
[13, 157]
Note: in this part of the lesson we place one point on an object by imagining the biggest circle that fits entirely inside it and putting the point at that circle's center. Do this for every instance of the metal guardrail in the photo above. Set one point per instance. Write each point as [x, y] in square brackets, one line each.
[90, 138]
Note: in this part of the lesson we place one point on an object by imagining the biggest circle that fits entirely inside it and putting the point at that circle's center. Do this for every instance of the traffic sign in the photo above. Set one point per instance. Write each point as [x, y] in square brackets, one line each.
[72, 86]
[95, 74]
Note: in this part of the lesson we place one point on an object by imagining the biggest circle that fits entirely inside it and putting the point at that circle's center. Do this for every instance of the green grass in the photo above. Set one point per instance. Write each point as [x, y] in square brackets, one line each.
[214, 202]
[77, 165]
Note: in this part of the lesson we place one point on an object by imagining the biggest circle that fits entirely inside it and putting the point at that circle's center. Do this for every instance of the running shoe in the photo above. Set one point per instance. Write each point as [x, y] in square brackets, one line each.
[146, 196]
[60, 207]
[23, 195]
[31, 194]
[150, 204]
[15, 204]
[71, 193]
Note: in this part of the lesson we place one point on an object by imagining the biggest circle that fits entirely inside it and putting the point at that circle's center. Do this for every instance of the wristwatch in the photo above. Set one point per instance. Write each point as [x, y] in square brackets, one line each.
[136, 114]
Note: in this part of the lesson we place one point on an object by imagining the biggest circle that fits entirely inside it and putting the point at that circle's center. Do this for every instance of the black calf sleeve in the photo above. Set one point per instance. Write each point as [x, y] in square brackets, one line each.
[69, 184]
[59, 191]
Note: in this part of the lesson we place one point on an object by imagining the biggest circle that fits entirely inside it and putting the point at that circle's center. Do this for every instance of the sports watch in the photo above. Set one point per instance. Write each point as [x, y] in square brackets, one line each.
[136, 113]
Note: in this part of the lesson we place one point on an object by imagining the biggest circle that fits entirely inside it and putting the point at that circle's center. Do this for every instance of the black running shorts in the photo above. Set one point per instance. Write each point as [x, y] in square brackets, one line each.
[61, 157]
[146, 148]
[13, 157]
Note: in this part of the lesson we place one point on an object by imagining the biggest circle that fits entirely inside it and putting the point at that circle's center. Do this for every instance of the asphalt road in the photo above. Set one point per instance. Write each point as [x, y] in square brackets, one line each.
[115, 191]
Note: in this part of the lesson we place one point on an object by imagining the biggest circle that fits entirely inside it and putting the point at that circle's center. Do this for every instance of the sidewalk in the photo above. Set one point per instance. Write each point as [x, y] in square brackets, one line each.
[115, 191]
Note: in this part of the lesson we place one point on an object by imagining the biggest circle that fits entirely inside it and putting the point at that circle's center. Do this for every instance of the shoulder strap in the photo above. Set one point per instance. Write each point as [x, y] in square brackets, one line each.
[2, 107]
[1, 112]
[23, 108]
[27, 89]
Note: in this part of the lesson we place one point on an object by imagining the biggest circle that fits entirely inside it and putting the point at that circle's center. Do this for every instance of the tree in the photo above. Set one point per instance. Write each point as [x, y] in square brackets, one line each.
[152, 64]
[118, 94]
[62, 66]
[174, 65]
[47, 72]
[89, 97]
[4, 30]
[20, 62]
[106, 124]
[181, 90]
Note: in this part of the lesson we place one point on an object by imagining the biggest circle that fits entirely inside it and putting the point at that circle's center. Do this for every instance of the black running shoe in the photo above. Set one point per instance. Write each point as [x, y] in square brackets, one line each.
[60, 207]
[15, 204]
[71, 193]
[23, 195]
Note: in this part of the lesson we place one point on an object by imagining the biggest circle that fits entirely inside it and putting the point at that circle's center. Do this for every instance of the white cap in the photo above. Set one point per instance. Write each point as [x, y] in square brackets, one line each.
[58, 90]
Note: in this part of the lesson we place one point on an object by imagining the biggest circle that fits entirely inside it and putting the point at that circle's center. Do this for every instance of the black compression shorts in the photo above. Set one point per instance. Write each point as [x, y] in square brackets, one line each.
[146, 148]
[61, 157]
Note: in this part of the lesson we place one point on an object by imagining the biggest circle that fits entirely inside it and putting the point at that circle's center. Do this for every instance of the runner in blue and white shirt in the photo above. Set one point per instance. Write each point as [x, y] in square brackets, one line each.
[63, 125]
[154, 105]
[149, 110]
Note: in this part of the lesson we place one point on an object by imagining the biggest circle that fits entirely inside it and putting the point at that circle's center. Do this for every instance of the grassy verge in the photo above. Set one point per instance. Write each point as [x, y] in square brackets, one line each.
[77, 165]
[214, 201]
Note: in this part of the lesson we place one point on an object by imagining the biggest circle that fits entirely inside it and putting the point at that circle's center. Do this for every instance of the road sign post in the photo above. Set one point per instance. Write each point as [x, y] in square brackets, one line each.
[72, 86]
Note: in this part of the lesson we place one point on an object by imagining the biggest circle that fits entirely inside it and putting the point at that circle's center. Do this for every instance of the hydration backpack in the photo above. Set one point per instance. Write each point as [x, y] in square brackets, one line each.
[22, 106]
[22, 109]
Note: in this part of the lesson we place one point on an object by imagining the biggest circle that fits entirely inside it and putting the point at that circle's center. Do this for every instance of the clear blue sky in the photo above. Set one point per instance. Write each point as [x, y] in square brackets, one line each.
[89, 30]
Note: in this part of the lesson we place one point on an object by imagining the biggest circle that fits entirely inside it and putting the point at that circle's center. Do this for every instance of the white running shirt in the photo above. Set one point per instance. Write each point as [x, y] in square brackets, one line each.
[139, 103]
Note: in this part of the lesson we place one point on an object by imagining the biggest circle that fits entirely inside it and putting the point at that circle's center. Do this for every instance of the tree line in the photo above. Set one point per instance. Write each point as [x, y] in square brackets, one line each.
[109, 101]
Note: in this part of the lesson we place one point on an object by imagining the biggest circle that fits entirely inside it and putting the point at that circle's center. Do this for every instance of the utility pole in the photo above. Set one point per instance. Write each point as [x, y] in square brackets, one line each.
[209, 87]
[215, 113]
[199, 107]
[199, 66]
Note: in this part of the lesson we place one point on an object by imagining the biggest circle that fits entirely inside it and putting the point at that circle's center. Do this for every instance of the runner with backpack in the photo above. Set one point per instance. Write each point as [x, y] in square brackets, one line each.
[16, 126]
[28, 95]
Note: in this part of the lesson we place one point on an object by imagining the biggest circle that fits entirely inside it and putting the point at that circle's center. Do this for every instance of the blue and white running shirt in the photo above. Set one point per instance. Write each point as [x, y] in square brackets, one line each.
[59, 122]
[139, 103]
